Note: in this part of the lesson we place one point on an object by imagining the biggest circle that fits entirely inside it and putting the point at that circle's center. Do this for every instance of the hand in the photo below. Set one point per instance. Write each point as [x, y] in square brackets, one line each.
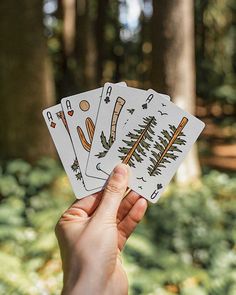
[92, 233]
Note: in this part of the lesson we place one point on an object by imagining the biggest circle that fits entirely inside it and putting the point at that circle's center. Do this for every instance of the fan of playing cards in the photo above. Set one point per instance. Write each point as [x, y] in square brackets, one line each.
[95, 130]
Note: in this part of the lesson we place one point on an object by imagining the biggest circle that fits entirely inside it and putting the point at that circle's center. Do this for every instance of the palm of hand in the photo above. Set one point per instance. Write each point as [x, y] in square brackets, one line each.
[80, 232]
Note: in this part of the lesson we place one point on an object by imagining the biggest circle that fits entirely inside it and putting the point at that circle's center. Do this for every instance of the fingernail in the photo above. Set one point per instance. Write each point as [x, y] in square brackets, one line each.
[121, 169]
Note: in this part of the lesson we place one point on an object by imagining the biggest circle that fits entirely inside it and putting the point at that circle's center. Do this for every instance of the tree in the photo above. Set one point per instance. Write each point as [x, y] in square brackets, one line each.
[166, 147]
[26, 85]
[89, 53]
[173, 65]
[101, 20]
[66, 82]
[137, 144]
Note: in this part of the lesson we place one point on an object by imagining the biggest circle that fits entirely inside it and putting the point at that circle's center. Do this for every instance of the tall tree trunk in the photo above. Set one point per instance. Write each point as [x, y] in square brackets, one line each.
[81, 37]
[67, 84]
[86, 46]
[100, 36]
[91, 56]
[173, 66]
[26, 85]
[69, 28]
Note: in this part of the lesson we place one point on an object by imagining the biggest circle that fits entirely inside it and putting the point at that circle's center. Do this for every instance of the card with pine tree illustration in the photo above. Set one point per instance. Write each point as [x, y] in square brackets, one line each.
[155, 142]
[58, 128]
[117, 106]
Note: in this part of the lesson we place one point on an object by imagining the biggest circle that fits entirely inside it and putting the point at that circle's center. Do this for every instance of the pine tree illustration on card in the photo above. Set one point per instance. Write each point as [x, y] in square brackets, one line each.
[167, 147]
[137, 142]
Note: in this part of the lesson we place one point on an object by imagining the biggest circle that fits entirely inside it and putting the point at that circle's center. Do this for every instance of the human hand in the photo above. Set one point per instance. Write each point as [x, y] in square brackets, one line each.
[92, 233]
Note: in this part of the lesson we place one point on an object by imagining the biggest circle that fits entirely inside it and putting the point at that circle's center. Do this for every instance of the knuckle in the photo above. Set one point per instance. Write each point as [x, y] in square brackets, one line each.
[59, 228]
[113, 188]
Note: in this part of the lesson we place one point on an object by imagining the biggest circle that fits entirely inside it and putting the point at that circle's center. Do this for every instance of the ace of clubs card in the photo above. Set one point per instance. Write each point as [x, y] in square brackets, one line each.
[117, 106]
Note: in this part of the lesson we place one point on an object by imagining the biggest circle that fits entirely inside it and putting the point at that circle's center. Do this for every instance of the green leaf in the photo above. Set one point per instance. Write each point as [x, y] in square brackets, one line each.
[104, 142]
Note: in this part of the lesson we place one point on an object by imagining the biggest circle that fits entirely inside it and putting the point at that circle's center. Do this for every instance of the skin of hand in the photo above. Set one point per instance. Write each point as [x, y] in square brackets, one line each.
[92, 233]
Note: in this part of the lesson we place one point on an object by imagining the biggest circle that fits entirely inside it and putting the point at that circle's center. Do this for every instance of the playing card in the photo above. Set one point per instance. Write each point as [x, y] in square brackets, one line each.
[58, 129]
[154, 143]
[117, 106]
[161, 94]
[81, 112]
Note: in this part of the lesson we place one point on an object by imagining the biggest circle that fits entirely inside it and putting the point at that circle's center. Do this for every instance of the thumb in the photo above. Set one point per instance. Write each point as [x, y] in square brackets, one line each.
[114, 192]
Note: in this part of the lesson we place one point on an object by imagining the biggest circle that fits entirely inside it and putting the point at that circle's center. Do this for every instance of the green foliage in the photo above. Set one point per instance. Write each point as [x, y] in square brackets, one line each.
[215, 49]
[30, 204]
[186, 244]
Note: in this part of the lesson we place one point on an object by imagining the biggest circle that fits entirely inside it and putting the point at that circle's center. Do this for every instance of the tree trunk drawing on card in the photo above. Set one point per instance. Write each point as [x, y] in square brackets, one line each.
[61, 116]
[107, 143]
[166, 148]
[90, 127]
[75, 165]
[136, 146]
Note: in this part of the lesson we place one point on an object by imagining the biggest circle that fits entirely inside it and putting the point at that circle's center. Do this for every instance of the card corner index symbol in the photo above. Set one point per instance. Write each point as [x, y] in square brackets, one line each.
[53, 125]
[70, 113]
[108, 94]
[107, 99]
[150, 97]
[144, 106]
[68, 104]
[159, 186]
[156, 191]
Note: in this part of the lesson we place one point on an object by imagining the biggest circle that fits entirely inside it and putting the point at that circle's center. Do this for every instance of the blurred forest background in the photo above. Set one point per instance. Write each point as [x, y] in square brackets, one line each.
[53, 48]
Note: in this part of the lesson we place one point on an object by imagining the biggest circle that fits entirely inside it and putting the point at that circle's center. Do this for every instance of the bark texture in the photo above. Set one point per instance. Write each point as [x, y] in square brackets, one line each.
[173, 65]
[26, 85]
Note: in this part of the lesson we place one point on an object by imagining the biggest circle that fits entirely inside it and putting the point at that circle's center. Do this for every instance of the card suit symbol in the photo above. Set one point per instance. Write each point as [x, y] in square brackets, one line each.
[53, 125]
[70, 113]
[107, 99]
[144, 106]
[159, 186]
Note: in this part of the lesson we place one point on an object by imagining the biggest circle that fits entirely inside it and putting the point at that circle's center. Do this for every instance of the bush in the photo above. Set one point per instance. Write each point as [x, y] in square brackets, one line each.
[32, 199]
[185, 245]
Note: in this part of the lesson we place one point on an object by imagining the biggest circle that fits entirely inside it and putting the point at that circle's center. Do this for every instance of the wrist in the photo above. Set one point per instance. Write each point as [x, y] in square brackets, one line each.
[87, 282]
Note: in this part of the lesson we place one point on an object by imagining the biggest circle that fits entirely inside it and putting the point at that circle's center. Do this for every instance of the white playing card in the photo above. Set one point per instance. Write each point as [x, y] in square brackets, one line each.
[155, 142]
[161, 94]
[81, 113]
[58, 129]
[116, 108]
